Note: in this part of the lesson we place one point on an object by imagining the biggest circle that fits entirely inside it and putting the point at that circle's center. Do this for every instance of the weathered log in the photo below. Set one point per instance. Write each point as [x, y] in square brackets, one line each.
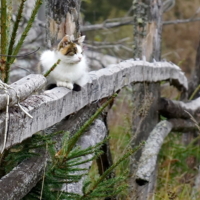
[50, 108]
[72, 124]
[22, 89]
[22, 178]
[178, 109]
[147, 162]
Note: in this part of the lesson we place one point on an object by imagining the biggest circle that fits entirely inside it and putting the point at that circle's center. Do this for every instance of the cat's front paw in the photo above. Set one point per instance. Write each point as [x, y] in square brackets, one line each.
[65, 84]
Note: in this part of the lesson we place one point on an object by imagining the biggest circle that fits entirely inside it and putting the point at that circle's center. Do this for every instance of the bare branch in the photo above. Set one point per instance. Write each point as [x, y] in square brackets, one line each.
[122, 22]
[129, 21]
[24, 55]
[181, 21]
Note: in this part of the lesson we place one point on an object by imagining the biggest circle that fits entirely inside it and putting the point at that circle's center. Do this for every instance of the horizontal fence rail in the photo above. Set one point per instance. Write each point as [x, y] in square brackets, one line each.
[51, 107]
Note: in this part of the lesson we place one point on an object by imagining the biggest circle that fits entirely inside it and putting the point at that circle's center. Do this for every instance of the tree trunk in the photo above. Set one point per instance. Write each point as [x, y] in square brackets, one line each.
[145, 96]
[62, 19]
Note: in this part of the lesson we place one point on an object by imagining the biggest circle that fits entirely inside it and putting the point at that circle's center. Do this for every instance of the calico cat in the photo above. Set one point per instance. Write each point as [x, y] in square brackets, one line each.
[72, 69]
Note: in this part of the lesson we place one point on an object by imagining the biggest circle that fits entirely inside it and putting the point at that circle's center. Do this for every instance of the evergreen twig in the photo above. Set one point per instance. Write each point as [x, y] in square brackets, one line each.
[13, 38]
[26, 30]
[109, 170]
[3, 37]
[77, 135]
[52, 68]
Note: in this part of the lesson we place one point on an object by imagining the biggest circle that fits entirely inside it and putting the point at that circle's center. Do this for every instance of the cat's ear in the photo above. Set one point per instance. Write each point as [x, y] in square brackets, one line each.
[81, 39]
[64, 41]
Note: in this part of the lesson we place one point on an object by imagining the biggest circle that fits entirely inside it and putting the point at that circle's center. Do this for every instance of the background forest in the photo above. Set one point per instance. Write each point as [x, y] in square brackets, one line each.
[179, 41]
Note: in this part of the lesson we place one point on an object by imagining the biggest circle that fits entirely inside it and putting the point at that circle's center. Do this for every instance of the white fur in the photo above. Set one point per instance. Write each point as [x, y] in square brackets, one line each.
[70, 70]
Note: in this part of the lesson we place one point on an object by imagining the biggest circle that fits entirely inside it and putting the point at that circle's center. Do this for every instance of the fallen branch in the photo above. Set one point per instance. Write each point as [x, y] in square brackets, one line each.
[150, 152]
[148, 159]
[183, 125]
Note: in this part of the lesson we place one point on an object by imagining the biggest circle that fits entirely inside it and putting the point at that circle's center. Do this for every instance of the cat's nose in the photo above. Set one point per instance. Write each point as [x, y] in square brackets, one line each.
[79, 58]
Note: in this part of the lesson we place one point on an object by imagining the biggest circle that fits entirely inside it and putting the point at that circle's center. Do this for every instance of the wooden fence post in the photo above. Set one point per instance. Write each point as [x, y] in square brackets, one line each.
[147, 18]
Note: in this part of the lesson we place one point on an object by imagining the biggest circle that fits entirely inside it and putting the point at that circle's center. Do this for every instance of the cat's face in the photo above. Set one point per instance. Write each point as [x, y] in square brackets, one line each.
[69, 50]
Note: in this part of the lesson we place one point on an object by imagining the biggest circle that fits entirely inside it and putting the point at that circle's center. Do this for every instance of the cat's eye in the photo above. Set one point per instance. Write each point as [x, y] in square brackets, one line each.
[71, 53]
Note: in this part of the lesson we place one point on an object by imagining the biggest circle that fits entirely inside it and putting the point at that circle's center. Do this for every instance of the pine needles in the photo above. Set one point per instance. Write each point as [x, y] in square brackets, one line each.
[69, 166]
[8, 46]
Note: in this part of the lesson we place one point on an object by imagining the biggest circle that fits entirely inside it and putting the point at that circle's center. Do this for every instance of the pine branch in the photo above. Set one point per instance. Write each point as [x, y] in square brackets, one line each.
[77, 135]
[26, 30]
[108, 171]
[13, 38]
[3, 37]
[52, 68]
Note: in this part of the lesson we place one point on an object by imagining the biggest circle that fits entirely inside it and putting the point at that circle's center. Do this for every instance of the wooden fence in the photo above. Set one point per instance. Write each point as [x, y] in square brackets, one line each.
[49, 108]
